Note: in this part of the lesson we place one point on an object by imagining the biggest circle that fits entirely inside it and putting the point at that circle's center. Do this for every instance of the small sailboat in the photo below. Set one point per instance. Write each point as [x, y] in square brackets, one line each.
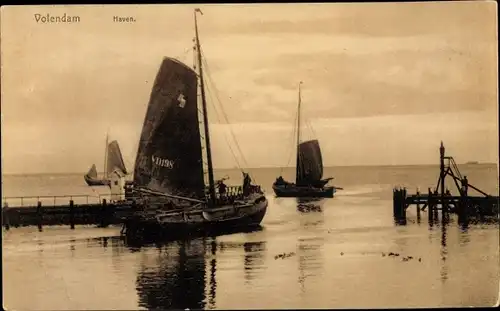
[169, 176]
[309, 181]
[92, 179]
[113, 160]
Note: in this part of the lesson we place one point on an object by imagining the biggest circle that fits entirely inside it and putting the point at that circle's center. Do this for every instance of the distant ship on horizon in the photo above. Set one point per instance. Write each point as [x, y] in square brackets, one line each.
[472, 162]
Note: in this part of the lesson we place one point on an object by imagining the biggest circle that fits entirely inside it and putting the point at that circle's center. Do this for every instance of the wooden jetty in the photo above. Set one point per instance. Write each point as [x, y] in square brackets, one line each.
[74, 210]
[102, 213]
[480, 207]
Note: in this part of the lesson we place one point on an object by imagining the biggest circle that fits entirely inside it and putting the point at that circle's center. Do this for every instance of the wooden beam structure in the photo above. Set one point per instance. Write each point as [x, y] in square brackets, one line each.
[464, 205]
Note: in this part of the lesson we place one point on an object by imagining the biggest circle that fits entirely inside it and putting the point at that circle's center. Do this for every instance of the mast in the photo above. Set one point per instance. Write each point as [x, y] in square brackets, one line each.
[297, 169]
[106, 157]
[205, 116]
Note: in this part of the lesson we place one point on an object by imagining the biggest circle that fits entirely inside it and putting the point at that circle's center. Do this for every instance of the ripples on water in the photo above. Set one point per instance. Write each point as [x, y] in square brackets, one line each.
[332, 264]
[334, 254]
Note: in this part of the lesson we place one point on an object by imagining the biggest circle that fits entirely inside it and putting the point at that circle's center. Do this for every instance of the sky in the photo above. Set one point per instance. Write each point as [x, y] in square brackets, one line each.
[383, 83]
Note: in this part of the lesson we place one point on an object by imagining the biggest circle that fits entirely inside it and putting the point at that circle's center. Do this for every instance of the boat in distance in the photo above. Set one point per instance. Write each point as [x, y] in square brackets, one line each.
[92, 179]
[309, 182]
[170, 194]
[297, 191]
[113, 160]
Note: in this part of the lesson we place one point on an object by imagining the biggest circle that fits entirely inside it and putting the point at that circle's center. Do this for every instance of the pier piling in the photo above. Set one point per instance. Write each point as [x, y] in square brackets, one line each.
[399, 205]
[39, 212]
[72, 214]
[104, 213]
[5, 216]
[418, 206]
[441, 198]
[430, 207]
[435, 199]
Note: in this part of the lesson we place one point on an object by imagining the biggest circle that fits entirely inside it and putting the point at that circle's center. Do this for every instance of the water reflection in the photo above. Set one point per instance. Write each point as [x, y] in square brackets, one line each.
[464, 237]
[309, 252]
[104, 242]
[72, 247]
[184, 274]
[444, 253]
[306, 205]
[213, 281]
[254, 258]
[178, 282]
[311, 212]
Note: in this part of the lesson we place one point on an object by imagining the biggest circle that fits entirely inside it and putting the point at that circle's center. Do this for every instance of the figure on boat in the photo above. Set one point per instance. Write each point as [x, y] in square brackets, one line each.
[170, 164]
[309, 181]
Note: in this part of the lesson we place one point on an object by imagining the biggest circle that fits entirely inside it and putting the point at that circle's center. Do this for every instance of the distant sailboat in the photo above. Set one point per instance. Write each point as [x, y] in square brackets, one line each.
[309, 180]
[113, 160]
[169, 169]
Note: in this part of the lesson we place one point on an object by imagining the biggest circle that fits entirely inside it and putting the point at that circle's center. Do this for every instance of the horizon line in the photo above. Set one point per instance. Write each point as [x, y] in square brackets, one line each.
[262, 167]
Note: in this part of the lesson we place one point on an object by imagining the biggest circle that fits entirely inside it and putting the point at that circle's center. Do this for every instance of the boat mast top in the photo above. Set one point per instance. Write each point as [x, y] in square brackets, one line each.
[106, 156]
[298, 137]
[205, 116]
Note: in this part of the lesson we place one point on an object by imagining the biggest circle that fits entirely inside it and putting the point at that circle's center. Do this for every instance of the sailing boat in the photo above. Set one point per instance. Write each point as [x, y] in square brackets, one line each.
[169, 167]
[309, 170]
[113, 160]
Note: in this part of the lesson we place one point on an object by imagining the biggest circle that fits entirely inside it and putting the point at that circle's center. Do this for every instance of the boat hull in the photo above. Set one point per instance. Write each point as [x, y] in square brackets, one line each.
[95, 182]
[292, 191]
[200, 222]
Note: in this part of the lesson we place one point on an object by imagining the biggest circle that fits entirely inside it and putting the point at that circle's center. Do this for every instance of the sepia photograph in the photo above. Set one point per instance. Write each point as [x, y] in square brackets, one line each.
[250, 156]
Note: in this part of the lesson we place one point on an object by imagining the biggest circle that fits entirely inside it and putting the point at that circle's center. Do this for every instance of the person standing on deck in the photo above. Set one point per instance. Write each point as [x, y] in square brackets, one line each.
[222, 189]
[246, 184]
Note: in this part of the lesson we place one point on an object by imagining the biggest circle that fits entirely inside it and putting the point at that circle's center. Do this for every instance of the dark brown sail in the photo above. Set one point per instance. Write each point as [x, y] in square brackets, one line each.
[92, 173]
[114, 158]
[169, 154]
[310, 163]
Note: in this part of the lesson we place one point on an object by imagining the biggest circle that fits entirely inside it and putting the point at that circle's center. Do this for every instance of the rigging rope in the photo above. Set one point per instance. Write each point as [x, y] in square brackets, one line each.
[223, 112]
[210, 80]
[218, 119]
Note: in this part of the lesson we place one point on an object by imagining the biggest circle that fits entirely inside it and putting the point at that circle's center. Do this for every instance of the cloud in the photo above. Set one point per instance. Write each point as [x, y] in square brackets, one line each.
[371, 20]
[62, 87]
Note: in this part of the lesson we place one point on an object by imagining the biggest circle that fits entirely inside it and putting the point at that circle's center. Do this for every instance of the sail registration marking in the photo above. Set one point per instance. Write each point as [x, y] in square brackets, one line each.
[163, 162]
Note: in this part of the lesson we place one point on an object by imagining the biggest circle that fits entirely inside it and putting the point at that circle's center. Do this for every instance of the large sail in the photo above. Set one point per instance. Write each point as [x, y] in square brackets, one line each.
[92, 173]
[115, 159]
[310, 166]
[169, 157]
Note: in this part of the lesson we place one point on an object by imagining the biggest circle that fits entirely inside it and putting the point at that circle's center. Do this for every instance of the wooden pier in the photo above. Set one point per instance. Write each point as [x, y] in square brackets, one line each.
[74, 210]
[481, 207]
[103, 213]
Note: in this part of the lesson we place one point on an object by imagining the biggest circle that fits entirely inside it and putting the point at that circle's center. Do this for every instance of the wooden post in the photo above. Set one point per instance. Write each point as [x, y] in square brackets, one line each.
[398, 205]
[430, 208]
[443, 209]
[418, 206]
[482, 204]
[39, 213]
[403, 207]
[103, 213]
[464, 204]
[395, 203]
[72, 214]
[6, 216]
[442, 173]
[460, 210]
[435, 199]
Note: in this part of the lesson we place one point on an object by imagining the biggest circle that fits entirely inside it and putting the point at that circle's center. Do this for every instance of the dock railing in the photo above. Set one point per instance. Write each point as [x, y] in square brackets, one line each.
[55, 200]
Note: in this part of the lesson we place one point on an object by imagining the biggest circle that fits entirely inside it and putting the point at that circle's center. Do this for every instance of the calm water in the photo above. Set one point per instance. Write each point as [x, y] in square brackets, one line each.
[338, 261]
